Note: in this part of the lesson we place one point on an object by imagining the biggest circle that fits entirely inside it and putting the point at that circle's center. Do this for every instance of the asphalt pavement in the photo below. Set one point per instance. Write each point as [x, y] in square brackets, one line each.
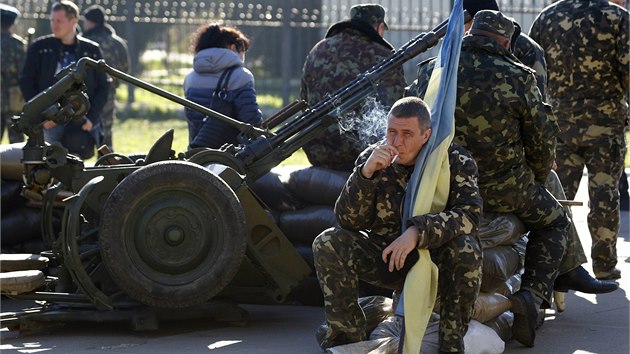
[590, 324]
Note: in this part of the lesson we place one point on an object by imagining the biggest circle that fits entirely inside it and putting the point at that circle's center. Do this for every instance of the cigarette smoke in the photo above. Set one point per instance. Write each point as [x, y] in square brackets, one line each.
[368, 125]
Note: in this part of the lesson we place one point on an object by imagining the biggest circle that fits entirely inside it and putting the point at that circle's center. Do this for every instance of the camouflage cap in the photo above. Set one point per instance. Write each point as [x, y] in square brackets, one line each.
[8, 14]
[370, 13]
[493, 22]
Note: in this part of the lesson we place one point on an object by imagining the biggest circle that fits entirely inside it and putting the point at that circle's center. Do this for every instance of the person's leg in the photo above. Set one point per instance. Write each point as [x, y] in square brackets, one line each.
[54, 134]
[624, 196]
[574, 255]
[342, 258]
[604, 163]
[107, 119]
[547, 223]
[4, 122]
[459, 263]
[570, 164]
[572, 276]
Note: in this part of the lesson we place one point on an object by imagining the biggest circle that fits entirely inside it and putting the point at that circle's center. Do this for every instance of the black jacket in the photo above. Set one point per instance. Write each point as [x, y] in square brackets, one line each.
[42, 58]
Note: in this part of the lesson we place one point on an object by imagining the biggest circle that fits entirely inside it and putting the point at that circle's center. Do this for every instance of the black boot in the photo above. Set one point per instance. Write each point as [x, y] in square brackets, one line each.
[579, 280]
[525, 317]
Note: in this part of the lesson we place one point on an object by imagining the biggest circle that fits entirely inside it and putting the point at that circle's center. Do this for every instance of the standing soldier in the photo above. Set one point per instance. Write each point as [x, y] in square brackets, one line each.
[349, 48]
[587, 53]
[115, 53]
[13, 53]
[501, 119]
[572, 275]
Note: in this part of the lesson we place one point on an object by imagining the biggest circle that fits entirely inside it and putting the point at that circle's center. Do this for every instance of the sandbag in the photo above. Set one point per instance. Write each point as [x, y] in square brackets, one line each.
[500, 229]
[391, 328]
[502, 325]
[307, 253]
[373, 346]
[270, 189]
[317, 185]
[302, 226]
[499, 263]
[481, 339]
[20, 225]
[489, 306]
[510, 286]
[376, 310]
[11, 167]
[11, 198]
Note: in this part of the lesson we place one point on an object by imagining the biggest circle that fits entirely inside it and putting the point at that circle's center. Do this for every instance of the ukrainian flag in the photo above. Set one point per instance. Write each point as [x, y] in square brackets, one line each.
[428, 187]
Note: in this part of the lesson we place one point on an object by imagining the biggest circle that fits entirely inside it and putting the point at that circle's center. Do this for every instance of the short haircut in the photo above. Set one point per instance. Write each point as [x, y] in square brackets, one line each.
[71, 9]
[218, 36]
[409, 107]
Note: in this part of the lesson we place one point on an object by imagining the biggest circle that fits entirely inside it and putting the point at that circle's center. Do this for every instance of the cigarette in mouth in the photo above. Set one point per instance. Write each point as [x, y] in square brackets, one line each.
[394, 159]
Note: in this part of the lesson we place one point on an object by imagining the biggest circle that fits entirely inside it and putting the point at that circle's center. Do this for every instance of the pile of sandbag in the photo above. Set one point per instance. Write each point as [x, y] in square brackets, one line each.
[20, 222]
[301, 201]
[383, 330]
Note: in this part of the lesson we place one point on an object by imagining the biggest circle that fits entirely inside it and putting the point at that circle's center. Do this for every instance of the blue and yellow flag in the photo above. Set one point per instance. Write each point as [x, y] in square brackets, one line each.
[428, 187]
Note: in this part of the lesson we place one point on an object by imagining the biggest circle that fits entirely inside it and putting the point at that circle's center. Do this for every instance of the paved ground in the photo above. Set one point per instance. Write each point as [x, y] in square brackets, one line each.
[590, 324]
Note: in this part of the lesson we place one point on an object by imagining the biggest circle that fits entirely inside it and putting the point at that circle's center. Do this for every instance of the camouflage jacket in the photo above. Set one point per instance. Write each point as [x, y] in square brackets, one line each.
[113, 48]
[374, 205]
[587, 53]
[349, 49]
[499, 117]
[13, 54]
[533, 56]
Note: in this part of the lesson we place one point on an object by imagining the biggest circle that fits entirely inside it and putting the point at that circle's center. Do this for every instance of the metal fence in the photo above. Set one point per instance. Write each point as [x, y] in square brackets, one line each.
[282, 31]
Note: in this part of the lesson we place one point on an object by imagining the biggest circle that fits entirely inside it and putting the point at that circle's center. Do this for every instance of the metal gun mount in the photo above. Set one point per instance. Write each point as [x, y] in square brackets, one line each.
[170, 231]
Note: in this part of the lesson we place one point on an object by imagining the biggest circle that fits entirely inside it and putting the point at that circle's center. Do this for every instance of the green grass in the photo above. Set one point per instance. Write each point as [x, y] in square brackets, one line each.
[138, 135]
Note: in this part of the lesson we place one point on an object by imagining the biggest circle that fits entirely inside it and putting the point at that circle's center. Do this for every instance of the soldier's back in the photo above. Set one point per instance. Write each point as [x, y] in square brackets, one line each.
[586, 47]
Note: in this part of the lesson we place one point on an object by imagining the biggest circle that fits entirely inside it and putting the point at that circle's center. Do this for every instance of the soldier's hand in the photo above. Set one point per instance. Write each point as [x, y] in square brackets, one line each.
[381, 157]
[87, 125]
[398, 250]
[49, 124]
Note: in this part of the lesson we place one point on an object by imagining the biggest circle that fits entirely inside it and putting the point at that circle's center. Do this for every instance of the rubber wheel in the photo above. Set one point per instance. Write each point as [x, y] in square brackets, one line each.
[172, 234]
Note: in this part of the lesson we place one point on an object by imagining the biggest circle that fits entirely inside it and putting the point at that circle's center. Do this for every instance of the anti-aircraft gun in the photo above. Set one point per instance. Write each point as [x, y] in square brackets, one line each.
[172, 231]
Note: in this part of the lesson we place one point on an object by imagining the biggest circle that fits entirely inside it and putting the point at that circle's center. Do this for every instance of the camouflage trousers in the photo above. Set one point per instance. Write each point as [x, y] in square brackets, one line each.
[547, 223]
[574, 254]
[107, 118]
[343, 257]
[604, 162]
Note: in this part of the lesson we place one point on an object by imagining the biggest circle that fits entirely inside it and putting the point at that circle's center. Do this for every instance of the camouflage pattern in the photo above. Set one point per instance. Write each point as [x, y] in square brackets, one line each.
[532, 55]
[493, 22]
[501, 119]
[333, 63]
[13, 54]
[369, 213]
[574, 255]
[116, 54]
[587, 61]
[370, 13]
